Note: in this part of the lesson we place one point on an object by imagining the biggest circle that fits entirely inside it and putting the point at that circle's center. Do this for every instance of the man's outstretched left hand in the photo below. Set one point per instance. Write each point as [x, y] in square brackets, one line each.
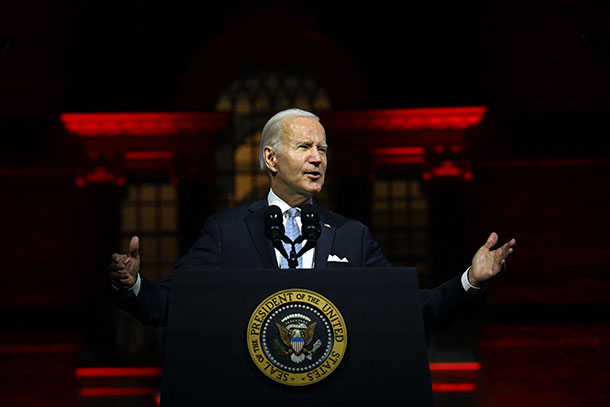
[486, 262]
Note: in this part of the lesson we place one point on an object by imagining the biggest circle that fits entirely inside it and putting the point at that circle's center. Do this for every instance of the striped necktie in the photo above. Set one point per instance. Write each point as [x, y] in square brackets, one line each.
[292, 231]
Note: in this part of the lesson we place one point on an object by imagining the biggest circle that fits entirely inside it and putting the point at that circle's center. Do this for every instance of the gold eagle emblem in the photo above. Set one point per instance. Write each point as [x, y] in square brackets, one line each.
[293, 339]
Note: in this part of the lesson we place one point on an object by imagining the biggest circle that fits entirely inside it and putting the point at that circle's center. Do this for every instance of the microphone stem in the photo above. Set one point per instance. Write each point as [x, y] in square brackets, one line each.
[277, 243]
[309, 245]
[293, 258]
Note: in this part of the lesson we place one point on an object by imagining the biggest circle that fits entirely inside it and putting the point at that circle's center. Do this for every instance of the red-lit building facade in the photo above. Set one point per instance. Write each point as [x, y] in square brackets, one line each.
[109, 135]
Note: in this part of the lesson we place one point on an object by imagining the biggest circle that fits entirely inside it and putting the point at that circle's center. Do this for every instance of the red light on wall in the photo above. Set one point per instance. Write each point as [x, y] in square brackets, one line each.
[453, 387]
[455, 366]
[400, 160]
[447, 169]
[149, 155]
[99, 175]
[399, 151]
[135, 124]
[117, 391]
[399, 155]
[442, 118]
[117, 371]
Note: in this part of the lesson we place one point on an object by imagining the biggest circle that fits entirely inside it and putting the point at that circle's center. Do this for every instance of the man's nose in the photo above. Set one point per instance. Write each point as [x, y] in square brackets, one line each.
[316, 157]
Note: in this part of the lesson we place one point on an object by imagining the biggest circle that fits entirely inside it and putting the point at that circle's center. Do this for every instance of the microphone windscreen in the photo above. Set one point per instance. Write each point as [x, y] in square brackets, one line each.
[310, 221]
[274, 225]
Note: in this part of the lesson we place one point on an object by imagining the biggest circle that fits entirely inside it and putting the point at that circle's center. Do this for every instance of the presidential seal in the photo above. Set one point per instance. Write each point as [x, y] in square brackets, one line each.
[296, 337]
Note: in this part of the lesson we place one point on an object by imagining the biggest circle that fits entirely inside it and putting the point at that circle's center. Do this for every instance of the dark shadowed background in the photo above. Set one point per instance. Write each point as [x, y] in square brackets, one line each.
[445, 122]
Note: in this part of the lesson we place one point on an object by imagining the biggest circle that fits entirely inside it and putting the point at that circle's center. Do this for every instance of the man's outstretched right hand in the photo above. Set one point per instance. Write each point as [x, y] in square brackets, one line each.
[124, 268]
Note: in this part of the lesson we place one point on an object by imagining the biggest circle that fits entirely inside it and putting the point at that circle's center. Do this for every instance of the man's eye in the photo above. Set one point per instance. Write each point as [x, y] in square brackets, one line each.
[322, 150]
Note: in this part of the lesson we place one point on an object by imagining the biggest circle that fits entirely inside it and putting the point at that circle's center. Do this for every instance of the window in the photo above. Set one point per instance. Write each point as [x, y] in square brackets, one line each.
[151, 211]
[400, 222]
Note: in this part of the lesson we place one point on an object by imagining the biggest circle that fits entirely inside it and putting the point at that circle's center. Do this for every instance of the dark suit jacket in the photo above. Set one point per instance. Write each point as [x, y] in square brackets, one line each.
[235, 239]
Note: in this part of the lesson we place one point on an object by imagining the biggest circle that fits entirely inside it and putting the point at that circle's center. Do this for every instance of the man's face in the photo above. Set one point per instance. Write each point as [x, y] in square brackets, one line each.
[300, 165]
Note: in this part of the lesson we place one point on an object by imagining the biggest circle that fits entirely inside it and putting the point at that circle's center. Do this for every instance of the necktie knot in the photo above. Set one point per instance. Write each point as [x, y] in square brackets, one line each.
[292, 213]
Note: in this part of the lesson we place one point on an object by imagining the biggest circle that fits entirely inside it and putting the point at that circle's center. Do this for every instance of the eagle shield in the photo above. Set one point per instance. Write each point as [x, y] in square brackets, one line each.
[297, 337]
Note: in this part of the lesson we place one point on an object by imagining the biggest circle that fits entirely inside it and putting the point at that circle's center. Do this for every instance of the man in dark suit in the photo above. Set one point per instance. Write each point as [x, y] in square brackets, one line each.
[293, 152]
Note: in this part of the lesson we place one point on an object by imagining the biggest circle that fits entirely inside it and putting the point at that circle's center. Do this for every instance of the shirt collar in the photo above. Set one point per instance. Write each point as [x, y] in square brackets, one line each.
[273, 199]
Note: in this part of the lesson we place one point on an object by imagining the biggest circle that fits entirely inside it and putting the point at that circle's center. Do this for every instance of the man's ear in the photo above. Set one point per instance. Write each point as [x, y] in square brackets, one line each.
[270, 159]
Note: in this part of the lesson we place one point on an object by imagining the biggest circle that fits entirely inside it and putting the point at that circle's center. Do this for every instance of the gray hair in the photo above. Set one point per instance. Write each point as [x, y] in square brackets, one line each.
[272, 131]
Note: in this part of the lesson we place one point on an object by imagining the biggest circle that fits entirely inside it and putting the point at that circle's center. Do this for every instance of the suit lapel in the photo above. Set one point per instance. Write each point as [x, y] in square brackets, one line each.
[256, 227]
[325, 241]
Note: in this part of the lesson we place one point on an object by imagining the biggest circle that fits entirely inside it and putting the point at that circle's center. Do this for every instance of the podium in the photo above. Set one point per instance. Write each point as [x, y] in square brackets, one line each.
[207, 361]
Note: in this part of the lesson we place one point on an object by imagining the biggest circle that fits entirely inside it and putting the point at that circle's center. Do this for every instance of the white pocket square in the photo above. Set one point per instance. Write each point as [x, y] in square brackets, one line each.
[334, 257]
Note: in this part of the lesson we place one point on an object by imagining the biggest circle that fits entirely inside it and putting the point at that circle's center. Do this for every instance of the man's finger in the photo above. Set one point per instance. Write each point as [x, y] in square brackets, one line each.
[115, 275]
[508, 248]
[119, 258]
[491, 240]
[114, 267]
[134, 247]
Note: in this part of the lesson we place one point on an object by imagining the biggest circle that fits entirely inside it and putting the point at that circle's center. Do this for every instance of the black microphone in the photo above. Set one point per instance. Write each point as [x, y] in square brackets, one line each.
[274, 228]
[310, 226]
[274, 224]
[310, 221]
